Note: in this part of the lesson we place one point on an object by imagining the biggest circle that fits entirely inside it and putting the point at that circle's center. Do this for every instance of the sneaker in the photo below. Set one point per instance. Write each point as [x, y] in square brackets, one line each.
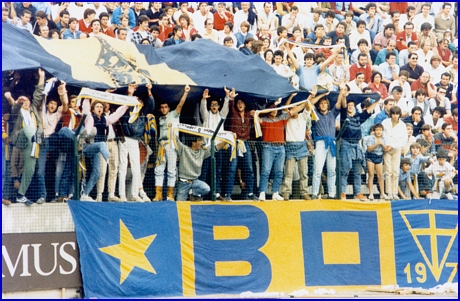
[330, 197]
[262, 196]
[55, 200]
[252, 197]
[41, 201]
[6, 202]
[314, 197]
[395, 197]
[123, 199]
[343, 196]
[114, 199]
[371, 197]
[99, 198]
[219, 197]
[276, 197]
[286, 196]
[228, 198]
[24, 200]
[136, 199]
[384, 197]
[306, 196]
[361, 197]
[86, 198]
[449, 196]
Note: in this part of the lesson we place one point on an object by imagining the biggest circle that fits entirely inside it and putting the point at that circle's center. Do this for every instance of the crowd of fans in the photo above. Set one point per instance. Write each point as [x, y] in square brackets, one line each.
[404, 51]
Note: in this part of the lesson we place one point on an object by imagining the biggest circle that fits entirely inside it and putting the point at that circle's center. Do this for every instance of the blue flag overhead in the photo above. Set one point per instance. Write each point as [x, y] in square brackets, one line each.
[104, 62]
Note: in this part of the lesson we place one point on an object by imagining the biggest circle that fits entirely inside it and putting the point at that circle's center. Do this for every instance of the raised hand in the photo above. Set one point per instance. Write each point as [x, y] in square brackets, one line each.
[206, 94]
[187, 88]
[233, 94]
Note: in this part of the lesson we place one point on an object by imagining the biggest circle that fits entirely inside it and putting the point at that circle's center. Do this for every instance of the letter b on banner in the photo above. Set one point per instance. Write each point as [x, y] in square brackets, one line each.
[226, 243]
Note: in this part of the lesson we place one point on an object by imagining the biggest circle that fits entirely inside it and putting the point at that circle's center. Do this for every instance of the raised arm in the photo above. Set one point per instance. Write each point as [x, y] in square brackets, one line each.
[182, 100]
[225, 110]
[63, 96]
[288, 101]
[342, 99]
[38, 93]
[203, 109]
[293, 59]
[330, 59]
[150, 105]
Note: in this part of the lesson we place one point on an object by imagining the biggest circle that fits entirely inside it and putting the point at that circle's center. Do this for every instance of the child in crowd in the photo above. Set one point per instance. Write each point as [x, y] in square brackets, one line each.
[442, 172]
[374, 145]
[417, 159]
[405, 186]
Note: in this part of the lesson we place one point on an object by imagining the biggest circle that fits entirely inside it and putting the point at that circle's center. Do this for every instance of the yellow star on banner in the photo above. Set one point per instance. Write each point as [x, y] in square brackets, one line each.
[130, 251]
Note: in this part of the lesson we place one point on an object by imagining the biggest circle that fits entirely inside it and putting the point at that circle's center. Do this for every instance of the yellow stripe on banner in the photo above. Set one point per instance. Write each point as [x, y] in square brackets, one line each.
[230, 232]
[334, 244]
[232, 268]
[187, 249]
[103, 59]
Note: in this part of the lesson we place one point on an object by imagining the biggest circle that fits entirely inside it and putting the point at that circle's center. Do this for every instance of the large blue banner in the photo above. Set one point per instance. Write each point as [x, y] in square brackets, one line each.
[192, 249]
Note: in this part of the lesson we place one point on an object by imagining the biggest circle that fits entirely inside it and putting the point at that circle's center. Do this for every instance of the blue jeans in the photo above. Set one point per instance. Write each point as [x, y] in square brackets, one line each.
[322, 154]
[272, 156]
[198, 187]
[63, 184]
[349, 154]
[44, 149]
[206, 168]
[92, 151]
[247, 173]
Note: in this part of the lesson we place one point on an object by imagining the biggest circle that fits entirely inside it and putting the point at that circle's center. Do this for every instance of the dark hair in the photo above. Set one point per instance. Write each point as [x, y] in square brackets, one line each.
[390, 26]
[405, 161]
[87, 12]
[370, 5]
[229, 24]
[40, 14]
[363, 41]
[416, 108]
[387, 100]
[185, 17]
[142, 19]
[94, 21]
[411, 43]
[72, 19]
[103, 14]
[308, 55]
[176, 29]
[330, 13]
[395, 110]
[441, 110]
[374, 74]
[362, 54]
[64, 12]
[26, 11]
[446, 74]
[420, 92]
[280, 29]
[455, 112]
[227, 39]
[445, 125]
[248, 40]
[398, 89]
[278, 53]
[390, 54]
[52, 31]
[154, 28]
[408, 24]
[425, 26]
[377, 125]
[360, 22]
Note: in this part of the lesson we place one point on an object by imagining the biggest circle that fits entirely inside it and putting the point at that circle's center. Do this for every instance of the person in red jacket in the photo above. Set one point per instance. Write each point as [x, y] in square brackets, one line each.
[84, 25]
[406, 36]
[361, 66]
